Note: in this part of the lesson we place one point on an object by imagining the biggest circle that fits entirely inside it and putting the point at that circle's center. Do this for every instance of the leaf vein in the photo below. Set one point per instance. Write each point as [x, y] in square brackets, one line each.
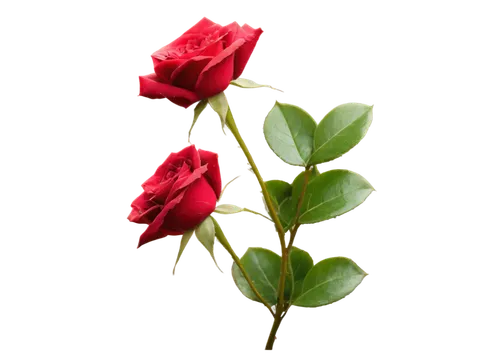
[293, 138]
[263, 273]
[326, 202]
[339, 131]
[316, 285]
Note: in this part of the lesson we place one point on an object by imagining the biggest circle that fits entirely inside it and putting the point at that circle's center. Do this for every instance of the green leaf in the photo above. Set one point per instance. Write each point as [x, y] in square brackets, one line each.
[315, 171]
[263, 268]
[340, 130]
[287, 212]
[220, 106]
[298, 184]
[228, 209]
[250, 84]
[205, 233]
[298, 179]
[297, 290]
[223, 127]
[184, 241]
[281, 196]
[221, 236]
[197, 111]
[279, 190]
[233, 209]
[333, 193]
[300, 264]
[329, 281]
[289, 131]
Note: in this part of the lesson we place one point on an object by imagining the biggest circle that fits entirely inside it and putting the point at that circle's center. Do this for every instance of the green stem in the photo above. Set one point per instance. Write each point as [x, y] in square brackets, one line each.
[293, 232]
[281, 309]
[286, 253]
[223, 240]
[272, 335]
[231, 124]
[281, 285]
[228, 247]
[296, 225]
[281, 306]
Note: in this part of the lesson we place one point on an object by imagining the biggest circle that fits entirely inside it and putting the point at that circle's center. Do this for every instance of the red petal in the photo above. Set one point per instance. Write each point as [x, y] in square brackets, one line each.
[210, 50]
[186, 75]
[141, 203]
[165, 189]
[201, 29]
[197, 204]
[143, 210]
[233, 32]
[188, 155]
[242, 55]
[213, 49]
[164, 69]
[151, 87]
[201, 25]
[156, 230]
[213, 172]
[175, 49]
[146, 217]
[184, 212]
[185, 181]
[161, 191]
[149, 182]
[217, 75]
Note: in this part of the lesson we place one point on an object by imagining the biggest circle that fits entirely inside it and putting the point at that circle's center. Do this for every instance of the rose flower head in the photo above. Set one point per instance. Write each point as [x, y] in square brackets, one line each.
[201, 63]
[180, 195]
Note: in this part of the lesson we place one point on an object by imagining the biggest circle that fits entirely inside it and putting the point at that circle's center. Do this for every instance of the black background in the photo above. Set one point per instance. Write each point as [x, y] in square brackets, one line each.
[313, 57]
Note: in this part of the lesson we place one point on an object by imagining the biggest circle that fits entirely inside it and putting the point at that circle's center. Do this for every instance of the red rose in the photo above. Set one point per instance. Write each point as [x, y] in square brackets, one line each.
[200, 63]
[179, 196]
